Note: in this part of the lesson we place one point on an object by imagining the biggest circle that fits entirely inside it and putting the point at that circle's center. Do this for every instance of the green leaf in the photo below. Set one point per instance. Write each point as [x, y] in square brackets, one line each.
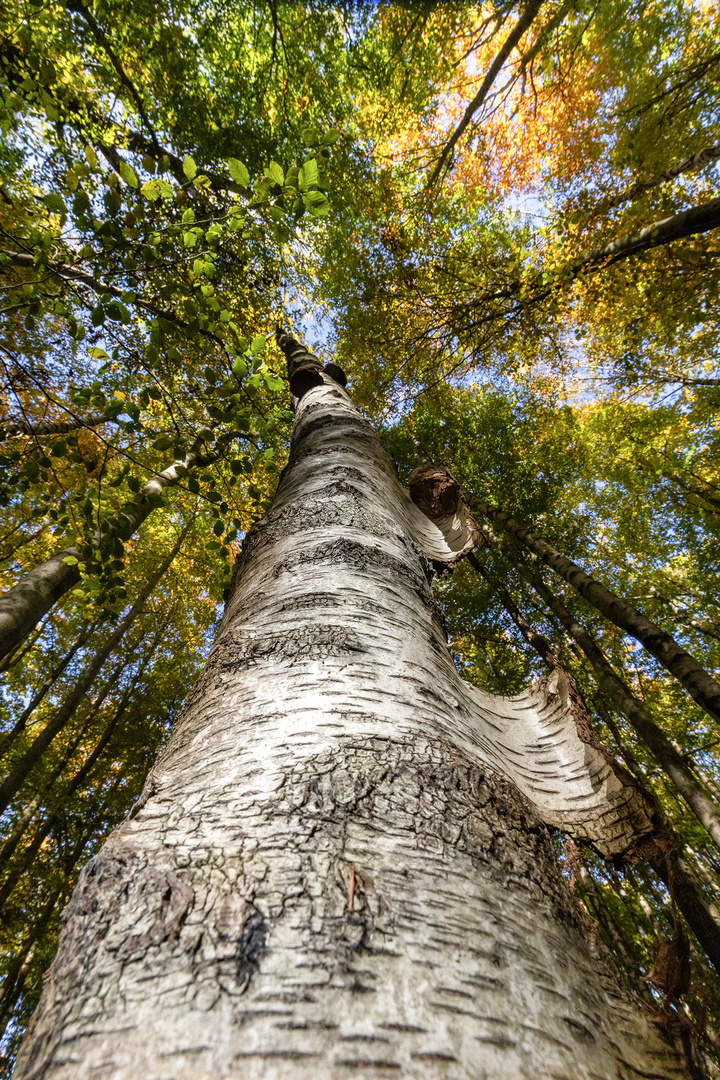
[162, 444]
[189, 167]
[310, 137]
[238, 172]
[150, 190]
[317, 203]
[97, 353]
[55, 203]
[97, 315]
[275, 173]
[118, 313]
[330, 138]
[308, 175]
[128, 173]
[258, 344]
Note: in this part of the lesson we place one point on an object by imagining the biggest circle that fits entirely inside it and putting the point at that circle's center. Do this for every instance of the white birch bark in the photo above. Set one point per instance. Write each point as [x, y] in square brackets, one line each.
[330, 872]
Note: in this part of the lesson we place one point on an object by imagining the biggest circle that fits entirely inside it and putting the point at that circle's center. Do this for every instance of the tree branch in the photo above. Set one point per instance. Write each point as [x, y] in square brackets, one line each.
[701, 686]
[526, 18]
[101, 37]
[695, 161]
[23, 427]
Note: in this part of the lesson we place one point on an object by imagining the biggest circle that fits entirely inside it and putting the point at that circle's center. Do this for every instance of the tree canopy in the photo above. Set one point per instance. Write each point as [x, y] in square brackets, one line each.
[501, 220]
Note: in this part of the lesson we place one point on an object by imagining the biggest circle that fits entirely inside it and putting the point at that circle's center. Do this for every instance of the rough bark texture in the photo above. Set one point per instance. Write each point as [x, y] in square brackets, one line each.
[328, 873]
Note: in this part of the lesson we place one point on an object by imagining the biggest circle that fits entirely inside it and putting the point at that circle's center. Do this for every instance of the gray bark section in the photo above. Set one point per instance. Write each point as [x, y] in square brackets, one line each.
[697, 219]
[57, 427]
[325, 877]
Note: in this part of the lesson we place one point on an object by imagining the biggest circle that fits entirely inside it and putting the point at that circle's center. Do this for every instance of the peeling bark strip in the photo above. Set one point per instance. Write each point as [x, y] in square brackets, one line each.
[701, 686]
[329, 871]
[662, 848]
[661, 747]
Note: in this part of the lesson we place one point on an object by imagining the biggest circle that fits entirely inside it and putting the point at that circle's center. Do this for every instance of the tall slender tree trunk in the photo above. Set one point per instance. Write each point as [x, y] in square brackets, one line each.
[332, 870]
[7, 739]
[12, 783]
[29, 601]
[701, 686]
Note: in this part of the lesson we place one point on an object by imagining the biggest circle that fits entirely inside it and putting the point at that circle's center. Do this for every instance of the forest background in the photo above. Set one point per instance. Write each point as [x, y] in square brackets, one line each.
[501, 221]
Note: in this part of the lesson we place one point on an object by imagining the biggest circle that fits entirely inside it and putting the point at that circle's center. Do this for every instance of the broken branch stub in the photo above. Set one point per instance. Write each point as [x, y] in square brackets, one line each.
[304, 368]
[436, 492]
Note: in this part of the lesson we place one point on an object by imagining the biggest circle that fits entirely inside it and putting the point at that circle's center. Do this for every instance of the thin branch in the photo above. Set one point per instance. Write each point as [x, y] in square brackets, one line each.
[526, 18]
[688, 164]
[23, 427]
[101, 37]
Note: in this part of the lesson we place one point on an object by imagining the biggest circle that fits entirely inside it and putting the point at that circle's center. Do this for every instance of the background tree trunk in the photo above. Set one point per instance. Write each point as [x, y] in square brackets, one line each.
[324, 875]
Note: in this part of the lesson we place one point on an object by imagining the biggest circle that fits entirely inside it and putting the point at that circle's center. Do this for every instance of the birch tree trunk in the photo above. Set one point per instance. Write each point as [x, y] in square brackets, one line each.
[338, 866]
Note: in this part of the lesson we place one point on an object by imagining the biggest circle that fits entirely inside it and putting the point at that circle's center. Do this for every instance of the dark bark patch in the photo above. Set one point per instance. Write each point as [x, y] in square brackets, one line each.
[434, 489]
[250, 948]
[177, 899]
[367, 1063]
[364, 1038]
[579, 1031]
[287, 1055]
[433, 1055]
[496, 1040]
[308, 642]
[409, 1028]
[308, 1025]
